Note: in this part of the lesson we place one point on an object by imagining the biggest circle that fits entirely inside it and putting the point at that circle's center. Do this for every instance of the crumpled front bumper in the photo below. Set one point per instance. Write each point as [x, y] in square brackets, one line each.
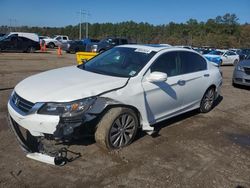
[31, 146]
[37, 124]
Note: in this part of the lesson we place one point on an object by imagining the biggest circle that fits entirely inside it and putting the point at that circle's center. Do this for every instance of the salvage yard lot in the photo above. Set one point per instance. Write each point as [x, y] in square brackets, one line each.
[191, 150]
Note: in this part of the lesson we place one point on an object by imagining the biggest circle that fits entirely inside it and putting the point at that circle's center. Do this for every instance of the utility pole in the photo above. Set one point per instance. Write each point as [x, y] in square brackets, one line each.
[83, 14]
[10, 24]
[80, 24]
[15, 25]
[87, 24]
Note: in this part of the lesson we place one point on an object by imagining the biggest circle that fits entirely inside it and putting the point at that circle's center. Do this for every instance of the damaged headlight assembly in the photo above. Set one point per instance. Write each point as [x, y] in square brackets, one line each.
[67, 109]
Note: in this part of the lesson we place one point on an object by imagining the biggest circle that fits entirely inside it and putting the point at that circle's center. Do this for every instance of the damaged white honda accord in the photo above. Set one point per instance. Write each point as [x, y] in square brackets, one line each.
[111, 96]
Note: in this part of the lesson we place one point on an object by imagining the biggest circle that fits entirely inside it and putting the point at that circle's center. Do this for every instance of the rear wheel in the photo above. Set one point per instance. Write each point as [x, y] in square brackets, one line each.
[31, 49]
[117, 128]
[207, 101]
[236, 62]
[51, 45]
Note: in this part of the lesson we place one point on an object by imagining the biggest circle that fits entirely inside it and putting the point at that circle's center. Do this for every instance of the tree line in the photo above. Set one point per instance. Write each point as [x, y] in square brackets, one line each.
[221, 32]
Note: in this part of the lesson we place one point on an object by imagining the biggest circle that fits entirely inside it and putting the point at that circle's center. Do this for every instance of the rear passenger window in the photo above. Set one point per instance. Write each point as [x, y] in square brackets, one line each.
[167, 63]
[191, 62]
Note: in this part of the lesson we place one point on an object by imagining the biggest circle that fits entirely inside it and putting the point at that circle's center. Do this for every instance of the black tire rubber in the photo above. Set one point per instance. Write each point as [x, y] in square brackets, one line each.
[234, 84]
[105, 124]
[31, 49]
[235, 62]
[51, 45]
[76, 50]
[203, 100]
[221, 62]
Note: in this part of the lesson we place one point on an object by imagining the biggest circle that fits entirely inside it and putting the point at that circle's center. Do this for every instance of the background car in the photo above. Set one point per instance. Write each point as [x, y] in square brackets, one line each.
[41, 38]
[245, 51]
[77, 45]
[56, 41]
[240, 53]
[223, 57]
[241, 74]
[20, 42]
[2, 34]
[106, 44]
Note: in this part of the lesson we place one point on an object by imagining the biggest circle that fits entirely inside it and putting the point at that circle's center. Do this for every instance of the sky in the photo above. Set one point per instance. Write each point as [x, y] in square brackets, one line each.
[57, 13]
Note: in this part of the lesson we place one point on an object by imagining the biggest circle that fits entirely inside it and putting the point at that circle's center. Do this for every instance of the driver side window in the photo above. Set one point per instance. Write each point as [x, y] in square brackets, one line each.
[167, 63]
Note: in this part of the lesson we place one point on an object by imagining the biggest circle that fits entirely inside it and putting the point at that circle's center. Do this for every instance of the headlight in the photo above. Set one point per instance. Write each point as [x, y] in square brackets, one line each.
[240, 68]
[68, 45]
[94, 48]
[67, 109]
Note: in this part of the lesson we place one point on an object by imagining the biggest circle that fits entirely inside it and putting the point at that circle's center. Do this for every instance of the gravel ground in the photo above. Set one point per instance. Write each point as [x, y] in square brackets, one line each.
[191, 150]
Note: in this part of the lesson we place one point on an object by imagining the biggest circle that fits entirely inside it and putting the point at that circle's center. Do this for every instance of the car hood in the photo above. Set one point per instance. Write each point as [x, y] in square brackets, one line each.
[66, 84]
[245, 63]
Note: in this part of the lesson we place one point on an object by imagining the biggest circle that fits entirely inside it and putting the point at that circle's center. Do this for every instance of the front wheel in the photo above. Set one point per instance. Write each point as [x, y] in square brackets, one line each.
[236, 62]
[207, 101]
[117, 128]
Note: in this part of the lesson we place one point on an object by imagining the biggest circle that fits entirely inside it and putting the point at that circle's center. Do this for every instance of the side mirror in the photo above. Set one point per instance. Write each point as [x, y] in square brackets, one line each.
[157, 77]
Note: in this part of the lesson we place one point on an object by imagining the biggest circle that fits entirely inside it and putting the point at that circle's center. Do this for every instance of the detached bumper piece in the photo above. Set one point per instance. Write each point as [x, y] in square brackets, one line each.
[41, 157]
[36, 150]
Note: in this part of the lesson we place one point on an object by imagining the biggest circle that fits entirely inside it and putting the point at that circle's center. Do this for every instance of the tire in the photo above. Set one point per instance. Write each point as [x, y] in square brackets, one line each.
[220, 62]
[236, 62]
[76, 50]
[31, 49]
[117, 128]
[207, 100]
[234, 84]
[51, 45]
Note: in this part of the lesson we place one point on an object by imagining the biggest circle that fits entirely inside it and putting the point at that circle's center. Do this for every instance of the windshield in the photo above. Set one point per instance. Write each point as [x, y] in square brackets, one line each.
[215, 53]
[120, 61]
[4, 37]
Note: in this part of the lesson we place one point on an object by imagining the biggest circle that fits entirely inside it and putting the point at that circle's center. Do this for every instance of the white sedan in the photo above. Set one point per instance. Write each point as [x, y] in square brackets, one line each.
[115, 93]
[223, 57]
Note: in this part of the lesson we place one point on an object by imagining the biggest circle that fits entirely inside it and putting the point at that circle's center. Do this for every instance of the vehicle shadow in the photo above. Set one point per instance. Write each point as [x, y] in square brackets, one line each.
[39, 52]
[168, 122]
[242, 87]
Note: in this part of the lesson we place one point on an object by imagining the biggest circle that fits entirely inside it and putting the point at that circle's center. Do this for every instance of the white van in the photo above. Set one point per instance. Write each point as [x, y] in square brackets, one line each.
[31, 36]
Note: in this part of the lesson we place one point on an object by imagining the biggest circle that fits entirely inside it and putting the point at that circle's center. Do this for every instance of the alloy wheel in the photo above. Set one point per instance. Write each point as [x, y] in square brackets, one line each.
[122, 130]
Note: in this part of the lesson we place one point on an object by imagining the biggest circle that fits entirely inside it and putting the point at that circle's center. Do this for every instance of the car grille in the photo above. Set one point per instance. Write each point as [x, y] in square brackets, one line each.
[21, 103]
[247, 70]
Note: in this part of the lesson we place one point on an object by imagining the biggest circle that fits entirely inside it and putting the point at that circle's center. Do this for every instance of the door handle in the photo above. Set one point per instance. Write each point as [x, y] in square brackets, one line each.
[206, 75]
[181, 82]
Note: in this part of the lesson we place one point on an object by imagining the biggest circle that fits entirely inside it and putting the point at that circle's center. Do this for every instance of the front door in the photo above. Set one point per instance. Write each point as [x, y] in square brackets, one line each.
[164, 99]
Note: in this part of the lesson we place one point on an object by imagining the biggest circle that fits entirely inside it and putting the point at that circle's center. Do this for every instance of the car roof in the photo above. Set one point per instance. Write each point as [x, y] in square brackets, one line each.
[150, 47]
[156, 47]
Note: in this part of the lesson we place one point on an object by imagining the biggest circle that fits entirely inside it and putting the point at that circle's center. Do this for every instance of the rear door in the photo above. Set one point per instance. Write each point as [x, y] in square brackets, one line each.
[195, 76]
